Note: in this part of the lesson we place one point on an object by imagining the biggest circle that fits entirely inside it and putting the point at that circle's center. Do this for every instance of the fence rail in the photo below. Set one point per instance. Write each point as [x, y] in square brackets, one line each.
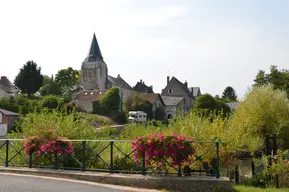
[114, 156]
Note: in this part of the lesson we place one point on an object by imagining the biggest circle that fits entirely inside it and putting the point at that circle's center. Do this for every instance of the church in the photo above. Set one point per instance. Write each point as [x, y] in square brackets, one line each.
[95, 80]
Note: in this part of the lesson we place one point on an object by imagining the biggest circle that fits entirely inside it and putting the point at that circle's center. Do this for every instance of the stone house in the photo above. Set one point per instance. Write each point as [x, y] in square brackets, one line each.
[7, 88]
[196, 91]
[175, 88]
[173, 106]
[141, 87]
[156, 100]
[84, 100]
[7, 120]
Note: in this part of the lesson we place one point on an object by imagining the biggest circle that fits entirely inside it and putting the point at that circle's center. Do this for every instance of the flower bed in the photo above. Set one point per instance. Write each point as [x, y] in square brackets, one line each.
[48, 142]
[163, 150]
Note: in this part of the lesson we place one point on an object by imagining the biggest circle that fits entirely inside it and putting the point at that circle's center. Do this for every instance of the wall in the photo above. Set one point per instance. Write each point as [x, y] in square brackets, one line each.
[170, 110]
[98, 77]
[3, 93]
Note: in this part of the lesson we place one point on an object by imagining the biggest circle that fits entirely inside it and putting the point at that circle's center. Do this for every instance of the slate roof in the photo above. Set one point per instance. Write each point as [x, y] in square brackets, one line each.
[141, 87]
[119, 82]
[8, 113]
[169, 100]
[94, 54]
[195, 90]
[90, 95]
[7, 86]
[152, 97]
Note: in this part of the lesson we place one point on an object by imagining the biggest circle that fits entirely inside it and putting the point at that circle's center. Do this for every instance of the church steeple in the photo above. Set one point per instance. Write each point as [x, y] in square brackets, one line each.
[94, 53]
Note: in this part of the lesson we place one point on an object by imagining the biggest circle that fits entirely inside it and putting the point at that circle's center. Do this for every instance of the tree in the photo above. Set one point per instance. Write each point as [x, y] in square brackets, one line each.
[229, 94]
[67, 78]
[110, 102]
[264, 111]
[29, 79]
[206, 105]
[279, 79]
[50, 87]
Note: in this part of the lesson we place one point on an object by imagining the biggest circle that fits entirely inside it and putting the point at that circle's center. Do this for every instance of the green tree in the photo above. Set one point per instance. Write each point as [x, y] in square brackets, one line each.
[67, 78]
[110, 102]
[29, 79]
[229, 94]
[159, 114]
[50, 87]
[206, 105]
[264, 111]
[278, 78]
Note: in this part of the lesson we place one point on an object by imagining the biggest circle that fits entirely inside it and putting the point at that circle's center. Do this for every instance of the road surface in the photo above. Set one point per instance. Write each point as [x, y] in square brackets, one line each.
[26, 183]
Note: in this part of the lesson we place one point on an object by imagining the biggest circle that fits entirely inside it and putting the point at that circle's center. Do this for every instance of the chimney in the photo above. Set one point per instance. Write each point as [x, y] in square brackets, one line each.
[140, 81]
[168, 79]
[186, 84]
[143, 82]
[4, 80]
[151, 87]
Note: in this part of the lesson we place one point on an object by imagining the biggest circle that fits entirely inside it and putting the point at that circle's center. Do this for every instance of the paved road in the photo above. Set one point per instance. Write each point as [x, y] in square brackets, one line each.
[18, 183]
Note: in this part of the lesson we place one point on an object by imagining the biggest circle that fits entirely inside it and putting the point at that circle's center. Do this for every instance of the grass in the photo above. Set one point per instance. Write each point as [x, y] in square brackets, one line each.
[96, 120]
[241, 188]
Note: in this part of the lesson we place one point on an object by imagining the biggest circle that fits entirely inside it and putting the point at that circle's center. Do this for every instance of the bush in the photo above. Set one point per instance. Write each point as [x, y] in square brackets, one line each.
[163, 148]
[120, 117]
[10, 107]
[110, 102]
[96, 107]
[51, 102]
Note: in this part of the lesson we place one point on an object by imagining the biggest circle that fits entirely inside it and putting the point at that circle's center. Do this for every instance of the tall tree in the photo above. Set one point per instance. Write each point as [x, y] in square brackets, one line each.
[278, 78]
[229, 94]
[67, 78]
[29, 79]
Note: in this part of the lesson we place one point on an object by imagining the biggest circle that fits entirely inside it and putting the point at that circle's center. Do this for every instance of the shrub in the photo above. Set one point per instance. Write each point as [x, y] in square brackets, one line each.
[120, 117]
[51, 102]
[47, 142]
[163, 148]
[10, 107]
[110, 102]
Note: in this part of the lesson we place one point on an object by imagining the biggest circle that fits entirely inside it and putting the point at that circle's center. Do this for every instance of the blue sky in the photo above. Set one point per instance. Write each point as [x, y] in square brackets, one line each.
[209, 43]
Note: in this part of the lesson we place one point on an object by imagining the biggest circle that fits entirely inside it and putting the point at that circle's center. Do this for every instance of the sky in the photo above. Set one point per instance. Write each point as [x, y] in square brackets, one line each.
[210, 44]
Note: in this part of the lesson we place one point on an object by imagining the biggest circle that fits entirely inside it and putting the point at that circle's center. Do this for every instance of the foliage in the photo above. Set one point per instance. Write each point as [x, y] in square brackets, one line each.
[163, 148]
[264, 111]
[129, 101]
[278, 78]
[34, 123]
[206, 105]
[145, 106]
[50, 87]
[66, 78]
[241, 188]
[51, 102]
[47, 143]
[29, 79]
[110, 102]
[120, 117]
[229, 94]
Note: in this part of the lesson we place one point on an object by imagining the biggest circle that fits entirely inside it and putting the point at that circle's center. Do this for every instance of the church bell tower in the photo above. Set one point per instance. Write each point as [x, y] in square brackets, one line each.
[94, 69]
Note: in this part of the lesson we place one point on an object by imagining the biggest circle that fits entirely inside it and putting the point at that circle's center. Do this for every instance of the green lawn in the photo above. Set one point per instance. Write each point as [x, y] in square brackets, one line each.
[253, 189]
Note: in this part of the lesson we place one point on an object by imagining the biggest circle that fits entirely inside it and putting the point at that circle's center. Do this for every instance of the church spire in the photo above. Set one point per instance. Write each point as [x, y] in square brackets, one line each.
[94, 53]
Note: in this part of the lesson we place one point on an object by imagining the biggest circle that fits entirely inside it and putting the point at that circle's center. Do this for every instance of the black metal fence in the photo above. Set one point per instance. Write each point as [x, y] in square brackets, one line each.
[114, 156]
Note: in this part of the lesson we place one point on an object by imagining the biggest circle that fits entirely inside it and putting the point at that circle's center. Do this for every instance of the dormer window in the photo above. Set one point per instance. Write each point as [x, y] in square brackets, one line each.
[170, 91]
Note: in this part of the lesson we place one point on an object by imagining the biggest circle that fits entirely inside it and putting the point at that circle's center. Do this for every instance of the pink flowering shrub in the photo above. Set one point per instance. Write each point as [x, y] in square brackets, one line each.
[48, 142]
[161, 150]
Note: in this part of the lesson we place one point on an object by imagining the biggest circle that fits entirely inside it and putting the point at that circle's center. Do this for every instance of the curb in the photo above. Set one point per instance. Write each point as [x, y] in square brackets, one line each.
[179, 184]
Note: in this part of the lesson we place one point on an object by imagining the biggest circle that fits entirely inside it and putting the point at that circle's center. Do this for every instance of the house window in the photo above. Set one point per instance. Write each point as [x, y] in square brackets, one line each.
[170, 91]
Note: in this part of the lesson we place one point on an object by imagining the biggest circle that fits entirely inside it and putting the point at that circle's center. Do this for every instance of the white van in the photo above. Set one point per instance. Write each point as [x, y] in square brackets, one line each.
[137, 116]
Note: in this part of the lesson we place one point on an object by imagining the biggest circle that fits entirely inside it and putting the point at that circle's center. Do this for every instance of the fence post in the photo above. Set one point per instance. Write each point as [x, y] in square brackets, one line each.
[30, 159]
[218, 160]
[237, 174]
[179, 165]
[143, 165]
[56, 157]
[7, 154]
[83, 155]
[111, 157]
